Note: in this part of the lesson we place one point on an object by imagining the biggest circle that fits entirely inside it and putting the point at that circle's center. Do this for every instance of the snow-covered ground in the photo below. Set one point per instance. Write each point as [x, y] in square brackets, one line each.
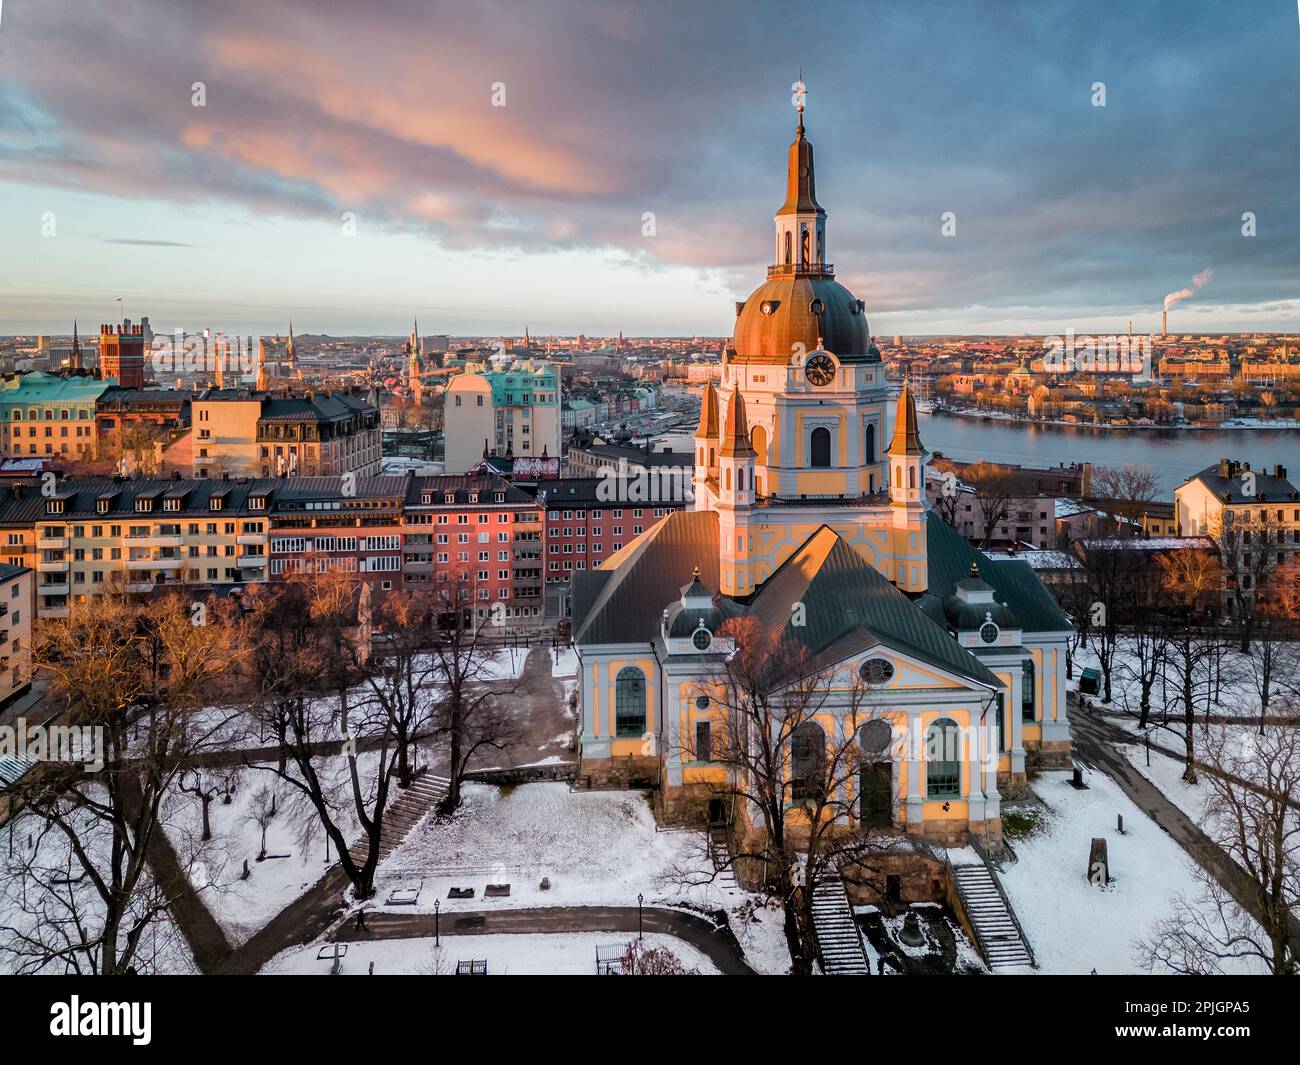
[1236, 685]
[1072, 925]
[564, 662]
[1167, 775]
[295, 858]
[506, 664]
[594, 848]
[567, 954]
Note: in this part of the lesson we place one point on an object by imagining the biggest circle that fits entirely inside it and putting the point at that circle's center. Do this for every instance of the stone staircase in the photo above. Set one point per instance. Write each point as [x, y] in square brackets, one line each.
[997, 932]
[404, 813]
[838, 938]
[720, 853]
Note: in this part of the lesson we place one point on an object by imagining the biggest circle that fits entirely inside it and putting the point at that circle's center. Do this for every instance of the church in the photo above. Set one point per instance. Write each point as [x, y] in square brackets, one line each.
[811, 517]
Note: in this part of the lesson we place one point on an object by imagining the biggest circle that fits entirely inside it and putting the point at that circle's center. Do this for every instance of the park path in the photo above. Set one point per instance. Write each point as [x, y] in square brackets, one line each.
[718, 945]
[1095, 741]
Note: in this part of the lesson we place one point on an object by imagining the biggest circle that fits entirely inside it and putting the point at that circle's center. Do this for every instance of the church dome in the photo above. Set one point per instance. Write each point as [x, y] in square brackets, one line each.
[799, 310]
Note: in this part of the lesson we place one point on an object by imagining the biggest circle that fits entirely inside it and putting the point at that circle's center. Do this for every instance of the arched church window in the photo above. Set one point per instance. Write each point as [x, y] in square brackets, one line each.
[788, 247]
[869, 444]
[803, 251]
[740, 480]
[758, 440]
[711, 459]
[1027, 690]
[629, 702]
[942, 760]
[807, 762]
[898, 476]
[821, 447]
[911, 476]
[726, 478]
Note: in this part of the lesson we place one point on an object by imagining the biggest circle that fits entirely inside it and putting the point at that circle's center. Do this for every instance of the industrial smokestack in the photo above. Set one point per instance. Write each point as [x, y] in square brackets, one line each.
[1164, 323]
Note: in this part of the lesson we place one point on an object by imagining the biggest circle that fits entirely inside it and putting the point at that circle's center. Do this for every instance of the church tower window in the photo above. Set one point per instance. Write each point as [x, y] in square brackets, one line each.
[869, 445]
[943, 767]
[820, 449]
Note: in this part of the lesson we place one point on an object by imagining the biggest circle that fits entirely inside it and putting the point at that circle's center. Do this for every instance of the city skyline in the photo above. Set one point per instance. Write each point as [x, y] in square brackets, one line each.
[481, 218]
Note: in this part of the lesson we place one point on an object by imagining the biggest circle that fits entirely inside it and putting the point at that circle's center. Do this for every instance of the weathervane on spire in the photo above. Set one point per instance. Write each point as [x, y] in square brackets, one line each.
[800, 97]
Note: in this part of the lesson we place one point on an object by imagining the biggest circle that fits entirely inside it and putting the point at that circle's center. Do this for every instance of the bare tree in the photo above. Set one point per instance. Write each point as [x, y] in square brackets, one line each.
[262, 813]
[1126, 491]
[1248, 543]
[471, 714]
[1191, 581]
[141, 677]
[1253, 780]
[787, 737]
[994, 487]
[639, 959]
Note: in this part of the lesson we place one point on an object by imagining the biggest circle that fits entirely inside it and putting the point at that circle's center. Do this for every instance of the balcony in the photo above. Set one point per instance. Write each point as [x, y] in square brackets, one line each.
[137, 564]
[52, 543]
[251, 561]
[251, 539]
[156, 540]
[52, 589]
[52, 566]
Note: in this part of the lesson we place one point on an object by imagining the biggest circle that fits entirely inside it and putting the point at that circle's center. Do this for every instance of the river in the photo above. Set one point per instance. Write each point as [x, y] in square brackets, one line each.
[1174, 454]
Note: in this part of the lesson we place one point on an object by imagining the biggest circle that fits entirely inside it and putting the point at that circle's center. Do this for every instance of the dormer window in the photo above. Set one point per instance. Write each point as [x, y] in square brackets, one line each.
[473, 497]
[172, 504]
[257, 503]
[500, 497]
[214, 503]
[54, 506]
[449, 498]
[101, 505]
[426, 497]
[144, 505]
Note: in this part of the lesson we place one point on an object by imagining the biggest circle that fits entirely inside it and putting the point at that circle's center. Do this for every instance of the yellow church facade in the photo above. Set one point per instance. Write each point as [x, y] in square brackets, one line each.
[939, 673]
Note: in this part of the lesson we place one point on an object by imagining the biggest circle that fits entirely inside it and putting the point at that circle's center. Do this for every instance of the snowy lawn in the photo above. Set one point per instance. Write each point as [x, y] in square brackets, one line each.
[295, 844]
[564, 663]
[1073, 926]
[567, 954]
[1167, 775]
[594, 848]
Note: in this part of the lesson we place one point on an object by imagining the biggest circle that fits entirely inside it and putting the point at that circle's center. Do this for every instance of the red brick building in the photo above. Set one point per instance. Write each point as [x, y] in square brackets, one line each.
[480, 533]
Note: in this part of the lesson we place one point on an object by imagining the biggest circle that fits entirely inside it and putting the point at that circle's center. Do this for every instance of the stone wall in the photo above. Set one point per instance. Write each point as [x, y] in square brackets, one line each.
[629, 771]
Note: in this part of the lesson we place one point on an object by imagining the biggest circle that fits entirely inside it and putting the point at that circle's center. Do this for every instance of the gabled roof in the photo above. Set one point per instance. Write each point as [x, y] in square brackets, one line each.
[849, 606]
[623, 601]
[1267, 488]
[950, 557]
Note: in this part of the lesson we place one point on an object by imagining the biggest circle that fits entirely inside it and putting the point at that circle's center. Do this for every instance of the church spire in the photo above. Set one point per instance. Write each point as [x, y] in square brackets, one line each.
[74, 356]
[801, 222]
[735, 438]
[708, 427]
[907, 436]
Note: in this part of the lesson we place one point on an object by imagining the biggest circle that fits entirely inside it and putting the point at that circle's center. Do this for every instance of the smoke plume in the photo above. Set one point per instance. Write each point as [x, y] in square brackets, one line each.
[1198, 282]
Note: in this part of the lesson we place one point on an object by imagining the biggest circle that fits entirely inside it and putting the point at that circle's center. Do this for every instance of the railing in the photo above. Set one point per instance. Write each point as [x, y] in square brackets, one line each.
[1011, 910]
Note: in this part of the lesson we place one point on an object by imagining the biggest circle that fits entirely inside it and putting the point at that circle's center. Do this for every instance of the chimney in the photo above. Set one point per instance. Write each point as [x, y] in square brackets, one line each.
[1225, 468]
[1279, 471]
[1164, 323]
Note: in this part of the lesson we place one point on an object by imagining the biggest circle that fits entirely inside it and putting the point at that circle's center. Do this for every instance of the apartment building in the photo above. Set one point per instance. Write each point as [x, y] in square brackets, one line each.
[49, 416]
[246, 433]
[92, 536]
[483, 535]
[326, 523]
[511, 411]
[17, 598]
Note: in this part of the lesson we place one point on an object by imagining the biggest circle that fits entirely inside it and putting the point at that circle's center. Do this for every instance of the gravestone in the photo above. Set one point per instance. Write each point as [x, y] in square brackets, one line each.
[1098, 863]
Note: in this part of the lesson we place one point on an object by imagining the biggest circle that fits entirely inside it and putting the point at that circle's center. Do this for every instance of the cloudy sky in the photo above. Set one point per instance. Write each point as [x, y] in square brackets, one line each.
[481, 218]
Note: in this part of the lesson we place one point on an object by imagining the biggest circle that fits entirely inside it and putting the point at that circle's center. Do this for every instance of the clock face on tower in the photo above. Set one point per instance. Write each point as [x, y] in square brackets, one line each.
[820, 370]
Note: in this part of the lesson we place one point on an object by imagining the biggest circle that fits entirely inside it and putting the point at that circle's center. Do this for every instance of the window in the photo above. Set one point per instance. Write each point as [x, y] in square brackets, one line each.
[820, 450]
[1027, 690]
[807, 762]
[1002, 721]
[629, 702]
[869, 444]
[943, 768]
[703, 741]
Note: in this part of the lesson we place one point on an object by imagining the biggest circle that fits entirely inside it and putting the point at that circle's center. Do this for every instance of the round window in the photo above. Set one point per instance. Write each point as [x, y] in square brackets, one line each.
[702, 702]
[876, 671]
[875, 736]
[989, 632]
[702, 638]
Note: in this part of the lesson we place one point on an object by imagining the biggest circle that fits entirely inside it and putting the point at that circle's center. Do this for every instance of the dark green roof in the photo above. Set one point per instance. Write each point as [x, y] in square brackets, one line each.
[1014, 582]
[623, 602]
[849, 606]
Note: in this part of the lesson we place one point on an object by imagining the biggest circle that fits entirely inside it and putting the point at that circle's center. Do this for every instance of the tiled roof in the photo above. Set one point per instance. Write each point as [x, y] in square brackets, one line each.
[849, 606]
[1267, 488]
[950, 557]
[623, 601]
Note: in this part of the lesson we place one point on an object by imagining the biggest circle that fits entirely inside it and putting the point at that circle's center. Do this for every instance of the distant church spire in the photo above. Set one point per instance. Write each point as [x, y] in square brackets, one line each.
[74, 356]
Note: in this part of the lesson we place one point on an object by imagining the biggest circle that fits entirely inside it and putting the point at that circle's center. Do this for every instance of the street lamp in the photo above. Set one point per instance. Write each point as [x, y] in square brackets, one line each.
[640, 927]
[437, 921]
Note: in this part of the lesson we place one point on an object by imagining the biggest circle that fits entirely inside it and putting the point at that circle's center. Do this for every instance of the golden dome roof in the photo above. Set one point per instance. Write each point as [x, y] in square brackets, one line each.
[790, 314]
